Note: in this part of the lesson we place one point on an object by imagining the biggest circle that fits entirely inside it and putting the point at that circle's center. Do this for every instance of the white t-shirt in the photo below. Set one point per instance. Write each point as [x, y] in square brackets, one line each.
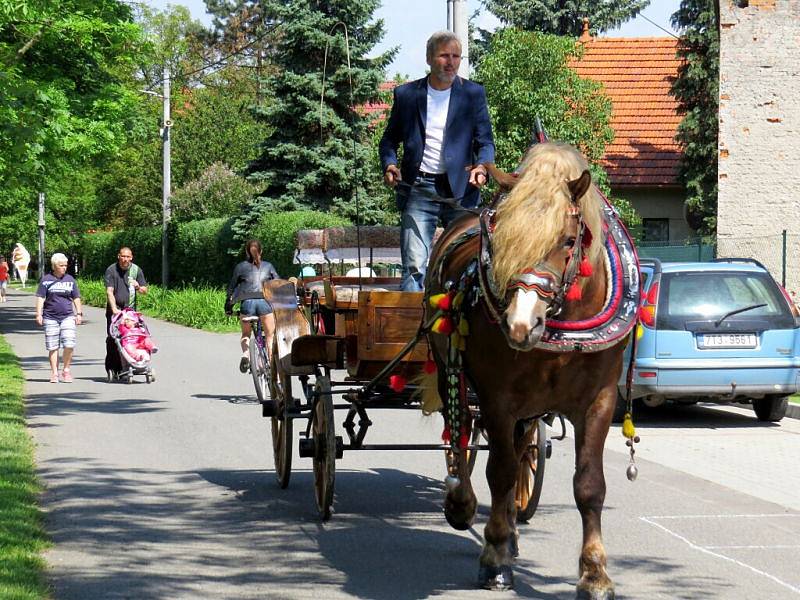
[438, 104]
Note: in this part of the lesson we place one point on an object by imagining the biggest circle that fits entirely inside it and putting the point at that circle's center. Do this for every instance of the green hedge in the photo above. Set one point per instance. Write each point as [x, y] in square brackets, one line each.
[202, 252]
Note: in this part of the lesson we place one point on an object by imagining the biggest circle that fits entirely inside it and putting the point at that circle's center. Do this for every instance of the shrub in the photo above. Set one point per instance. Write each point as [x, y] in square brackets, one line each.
[201, 252]
[218, 192]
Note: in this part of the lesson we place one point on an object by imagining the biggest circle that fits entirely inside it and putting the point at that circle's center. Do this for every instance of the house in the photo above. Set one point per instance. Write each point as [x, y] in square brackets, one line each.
[642, 161]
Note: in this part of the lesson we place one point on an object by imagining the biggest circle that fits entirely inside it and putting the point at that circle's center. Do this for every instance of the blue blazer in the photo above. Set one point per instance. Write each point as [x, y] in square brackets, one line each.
[467, 136]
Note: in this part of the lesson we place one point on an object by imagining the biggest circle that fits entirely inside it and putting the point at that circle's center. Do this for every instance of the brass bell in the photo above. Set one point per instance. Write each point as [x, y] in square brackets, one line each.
[632, 472]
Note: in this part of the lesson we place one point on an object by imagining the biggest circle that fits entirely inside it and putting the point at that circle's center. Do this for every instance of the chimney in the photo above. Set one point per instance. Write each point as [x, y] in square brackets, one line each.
[585, 35]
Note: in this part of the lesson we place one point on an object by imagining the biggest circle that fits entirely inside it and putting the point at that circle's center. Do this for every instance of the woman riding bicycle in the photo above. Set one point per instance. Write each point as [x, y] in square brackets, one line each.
[245, 287]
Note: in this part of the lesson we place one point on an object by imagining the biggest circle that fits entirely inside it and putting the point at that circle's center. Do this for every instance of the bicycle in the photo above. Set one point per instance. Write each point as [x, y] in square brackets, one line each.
[259, 358]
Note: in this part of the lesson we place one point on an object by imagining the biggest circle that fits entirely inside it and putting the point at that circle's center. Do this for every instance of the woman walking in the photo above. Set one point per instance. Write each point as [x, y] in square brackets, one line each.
[246, 287]
[58, 309]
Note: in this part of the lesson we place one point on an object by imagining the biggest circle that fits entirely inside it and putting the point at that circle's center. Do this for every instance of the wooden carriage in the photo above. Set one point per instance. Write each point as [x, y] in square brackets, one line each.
[368, 327]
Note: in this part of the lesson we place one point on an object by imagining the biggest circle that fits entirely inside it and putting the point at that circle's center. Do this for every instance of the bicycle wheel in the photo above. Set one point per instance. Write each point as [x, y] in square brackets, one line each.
[324, 447]
[281, 423]
[530, 476]
[259, 366]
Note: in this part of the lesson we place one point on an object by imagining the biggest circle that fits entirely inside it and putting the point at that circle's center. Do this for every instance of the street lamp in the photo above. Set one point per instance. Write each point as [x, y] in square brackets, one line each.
[166, 211]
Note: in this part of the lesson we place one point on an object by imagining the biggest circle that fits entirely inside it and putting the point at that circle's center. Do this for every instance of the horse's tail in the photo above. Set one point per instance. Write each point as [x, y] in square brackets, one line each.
[428, 392]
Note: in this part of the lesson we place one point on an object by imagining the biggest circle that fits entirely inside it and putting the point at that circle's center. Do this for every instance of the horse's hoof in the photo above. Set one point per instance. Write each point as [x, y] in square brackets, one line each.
[460, 522]
[496, 579]
[583, 594]
[513, 545]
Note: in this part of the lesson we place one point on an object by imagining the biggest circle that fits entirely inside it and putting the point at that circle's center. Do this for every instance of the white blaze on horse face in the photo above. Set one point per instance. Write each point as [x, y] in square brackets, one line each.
[525, 312]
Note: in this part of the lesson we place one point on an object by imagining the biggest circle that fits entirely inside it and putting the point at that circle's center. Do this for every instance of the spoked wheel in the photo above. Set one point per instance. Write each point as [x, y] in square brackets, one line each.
[324, 447]
[530, 476]
[472, 455]
[259, 369]
[315, 315]
[281, 390]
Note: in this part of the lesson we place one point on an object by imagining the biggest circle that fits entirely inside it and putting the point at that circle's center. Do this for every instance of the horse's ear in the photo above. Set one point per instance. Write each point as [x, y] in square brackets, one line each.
[578, 187]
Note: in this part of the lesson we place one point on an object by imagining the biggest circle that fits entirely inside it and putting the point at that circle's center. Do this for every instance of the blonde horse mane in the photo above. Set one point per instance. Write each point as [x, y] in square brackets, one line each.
[531, 220]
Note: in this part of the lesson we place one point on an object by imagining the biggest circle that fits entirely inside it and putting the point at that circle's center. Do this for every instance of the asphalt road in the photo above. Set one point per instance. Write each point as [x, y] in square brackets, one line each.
[166, 490]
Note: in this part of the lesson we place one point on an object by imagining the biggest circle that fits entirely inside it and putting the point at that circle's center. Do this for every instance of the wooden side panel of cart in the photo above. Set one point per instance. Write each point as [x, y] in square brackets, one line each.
[384, 323]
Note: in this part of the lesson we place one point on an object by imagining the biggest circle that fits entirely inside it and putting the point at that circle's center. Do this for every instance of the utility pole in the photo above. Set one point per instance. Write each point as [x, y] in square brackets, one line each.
[458, 23]
[41, 235]
[167, 184]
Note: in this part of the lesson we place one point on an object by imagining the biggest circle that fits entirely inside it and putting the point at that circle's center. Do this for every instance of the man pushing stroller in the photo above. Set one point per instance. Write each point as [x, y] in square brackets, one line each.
[124, 281]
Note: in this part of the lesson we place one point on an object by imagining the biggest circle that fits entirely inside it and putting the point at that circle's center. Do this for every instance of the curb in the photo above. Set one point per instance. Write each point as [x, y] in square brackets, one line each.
[793, 411]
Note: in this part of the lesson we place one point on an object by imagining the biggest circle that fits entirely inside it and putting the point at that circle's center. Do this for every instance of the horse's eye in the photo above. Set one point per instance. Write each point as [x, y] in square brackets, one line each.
[569, 242]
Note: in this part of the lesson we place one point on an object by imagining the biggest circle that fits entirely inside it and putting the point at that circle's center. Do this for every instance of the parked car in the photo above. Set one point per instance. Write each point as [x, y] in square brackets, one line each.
[721, 331]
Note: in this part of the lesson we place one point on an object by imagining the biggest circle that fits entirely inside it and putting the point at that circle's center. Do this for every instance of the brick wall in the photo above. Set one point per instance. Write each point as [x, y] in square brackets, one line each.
[759, 136]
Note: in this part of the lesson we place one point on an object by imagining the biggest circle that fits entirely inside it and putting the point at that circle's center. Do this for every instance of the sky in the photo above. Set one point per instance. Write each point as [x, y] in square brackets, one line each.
[409, 23]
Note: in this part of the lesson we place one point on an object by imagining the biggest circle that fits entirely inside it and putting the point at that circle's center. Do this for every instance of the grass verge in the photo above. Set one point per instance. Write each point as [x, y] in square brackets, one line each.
[201, 308]
[22, 536]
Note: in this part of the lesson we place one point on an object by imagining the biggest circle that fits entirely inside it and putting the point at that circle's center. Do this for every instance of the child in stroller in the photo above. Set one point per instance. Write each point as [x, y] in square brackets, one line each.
[134, 345]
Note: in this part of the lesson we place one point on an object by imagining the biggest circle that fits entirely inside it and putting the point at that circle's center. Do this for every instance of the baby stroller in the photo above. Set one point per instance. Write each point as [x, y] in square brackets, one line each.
[133, 345]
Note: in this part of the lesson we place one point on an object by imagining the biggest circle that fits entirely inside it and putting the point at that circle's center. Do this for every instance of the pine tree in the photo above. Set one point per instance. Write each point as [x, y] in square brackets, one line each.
[696, 89]
[314, 157]
[565, 17]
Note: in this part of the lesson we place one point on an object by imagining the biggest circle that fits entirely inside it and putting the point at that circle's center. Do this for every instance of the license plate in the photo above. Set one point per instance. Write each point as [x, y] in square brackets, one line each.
[727, 340]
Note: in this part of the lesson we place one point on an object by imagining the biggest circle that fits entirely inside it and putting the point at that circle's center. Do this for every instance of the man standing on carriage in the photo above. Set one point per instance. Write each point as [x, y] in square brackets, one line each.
[442, 121]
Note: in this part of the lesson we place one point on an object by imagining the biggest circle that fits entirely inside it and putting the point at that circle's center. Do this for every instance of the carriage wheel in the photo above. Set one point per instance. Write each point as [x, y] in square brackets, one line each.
[530, 476]
[472, 455]
[259, 368]
[281, 391]
[315, 313]
[324, 447]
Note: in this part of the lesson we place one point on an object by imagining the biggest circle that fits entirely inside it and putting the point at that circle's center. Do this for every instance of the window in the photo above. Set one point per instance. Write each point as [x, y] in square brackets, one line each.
[655, 230]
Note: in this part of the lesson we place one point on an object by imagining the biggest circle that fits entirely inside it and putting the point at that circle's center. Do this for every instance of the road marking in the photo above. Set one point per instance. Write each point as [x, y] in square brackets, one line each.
[776, 547]
[650, 521]
[762, 516]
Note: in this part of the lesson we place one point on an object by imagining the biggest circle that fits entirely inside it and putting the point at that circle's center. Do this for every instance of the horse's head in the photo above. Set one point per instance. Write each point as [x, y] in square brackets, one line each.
[542, 231]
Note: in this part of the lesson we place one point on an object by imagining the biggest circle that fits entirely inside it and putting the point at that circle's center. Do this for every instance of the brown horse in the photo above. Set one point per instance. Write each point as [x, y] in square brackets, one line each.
[544, 233]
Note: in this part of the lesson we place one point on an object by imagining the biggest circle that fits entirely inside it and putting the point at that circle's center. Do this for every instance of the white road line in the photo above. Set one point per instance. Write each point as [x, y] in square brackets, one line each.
[776, 547]
[762, 516]
[648, 520]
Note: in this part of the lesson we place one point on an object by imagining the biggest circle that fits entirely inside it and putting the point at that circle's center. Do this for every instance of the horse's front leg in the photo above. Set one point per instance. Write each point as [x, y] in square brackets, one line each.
[497, 557]
[589, 487]
[460, 504]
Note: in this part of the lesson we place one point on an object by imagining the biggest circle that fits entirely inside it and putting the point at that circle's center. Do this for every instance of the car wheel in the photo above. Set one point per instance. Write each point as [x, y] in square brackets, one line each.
[771, 408]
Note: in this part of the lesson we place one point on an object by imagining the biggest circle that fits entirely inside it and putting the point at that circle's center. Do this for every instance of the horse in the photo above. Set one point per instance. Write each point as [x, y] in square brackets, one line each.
[21, 258]
[507, 281]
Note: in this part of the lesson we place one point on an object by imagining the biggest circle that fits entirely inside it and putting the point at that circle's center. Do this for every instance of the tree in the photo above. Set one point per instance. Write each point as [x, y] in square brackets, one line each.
[64, 100]
[314, 156]
[217, 192]
[565, 17]
[696, 89]
[527, 75]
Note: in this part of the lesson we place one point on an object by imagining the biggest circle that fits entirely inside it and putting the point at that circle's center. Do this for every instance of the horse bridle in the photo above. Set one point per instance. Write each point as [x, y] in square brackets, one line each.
[547, 280]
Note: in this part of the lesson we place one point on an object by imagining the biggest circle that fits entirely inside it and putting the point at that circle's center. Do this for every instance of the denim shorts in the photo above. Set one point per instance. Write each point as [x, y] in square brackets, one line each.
[255, 306]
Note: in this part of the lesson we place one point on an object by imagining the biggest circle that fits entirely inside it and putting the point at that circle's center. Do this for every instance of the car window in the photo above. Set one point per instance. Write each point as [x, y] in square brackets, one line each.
[710, 295]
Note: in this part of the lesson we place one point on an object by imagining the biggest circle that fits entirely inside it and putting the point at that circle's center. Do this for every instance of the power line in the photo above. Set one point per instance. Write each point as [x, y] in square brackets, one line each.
[667, 31]
[224, 58]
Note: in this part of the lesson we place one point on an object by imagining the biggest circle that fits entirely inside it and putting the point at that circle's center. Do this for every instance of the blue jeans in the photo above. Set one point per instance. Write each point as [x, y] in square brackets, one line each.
[418, 223]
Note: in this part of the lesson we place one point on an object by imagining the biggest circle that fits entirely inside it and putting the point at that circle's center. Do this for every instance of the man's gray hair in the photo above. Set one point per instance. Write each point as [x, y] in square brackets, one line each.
[437, 39]
[58, 257]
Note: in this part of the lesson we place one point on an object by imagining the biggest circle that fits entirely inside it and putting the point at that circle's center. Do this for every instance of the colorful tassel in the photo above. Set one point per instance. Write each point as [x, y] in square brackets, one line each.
[443, 325]
[463, 327]
[585, 268]
[397, 383]
[441, 301]
[463, 441]
[628, 430]
[430, 367]
[446, 435]
[574, 292]
[458, 299]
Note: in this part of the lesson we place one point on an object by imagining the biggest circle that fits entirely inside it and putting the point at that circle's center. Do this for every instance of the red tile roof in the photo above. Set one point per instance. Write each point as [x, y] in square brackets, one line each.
[636, 73]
